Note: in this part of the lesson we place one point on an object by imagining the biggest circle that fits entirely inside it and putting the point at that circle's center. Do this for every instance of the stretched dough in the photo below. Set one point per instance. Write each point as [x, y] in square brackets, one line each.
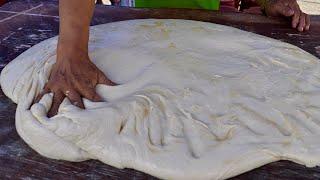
[196, 101]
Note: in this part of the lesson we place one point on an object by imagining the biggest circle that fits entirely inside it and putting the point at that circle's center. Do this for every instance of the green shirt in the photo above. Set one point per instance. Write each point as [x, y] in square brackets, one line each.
[194, 4]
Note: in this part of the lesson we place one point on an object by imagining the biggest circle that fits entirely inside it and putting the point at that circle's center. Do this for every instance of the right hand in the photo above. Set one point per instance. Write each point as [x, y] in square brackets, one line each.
[74, 77]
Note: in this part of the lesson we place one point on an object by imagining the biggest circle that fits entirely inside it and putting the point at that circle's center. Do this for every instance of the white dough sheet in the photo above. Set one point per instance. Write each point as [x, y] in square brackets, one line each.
[195, 100]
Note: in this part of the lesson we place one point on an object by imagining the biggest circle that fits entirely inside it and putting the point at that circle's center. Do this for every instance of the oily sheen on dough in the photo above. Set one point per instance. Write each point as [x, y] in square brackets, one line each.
[196, 101]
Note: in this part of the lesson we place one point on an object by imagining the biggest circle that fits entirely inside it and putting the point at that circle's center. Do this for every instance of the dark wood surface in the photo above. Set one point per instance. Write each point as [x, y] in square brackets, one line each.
[24, 23]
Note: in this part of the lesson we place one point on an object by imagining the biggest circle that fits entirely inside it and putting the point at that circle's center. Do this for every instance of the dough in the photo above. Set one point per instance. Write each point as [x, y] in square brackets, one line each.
[196, 101]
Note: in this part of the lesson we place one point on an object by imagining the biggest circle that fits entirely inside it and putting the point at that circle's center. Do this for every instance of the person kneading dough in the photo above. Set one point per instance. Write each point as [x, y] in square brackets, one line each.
[74, 76]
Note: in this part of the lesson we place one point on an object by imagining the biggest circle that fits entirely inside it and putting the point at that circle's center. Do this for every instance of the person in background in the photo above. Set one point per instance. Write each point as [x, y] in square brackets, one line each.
[74, 76]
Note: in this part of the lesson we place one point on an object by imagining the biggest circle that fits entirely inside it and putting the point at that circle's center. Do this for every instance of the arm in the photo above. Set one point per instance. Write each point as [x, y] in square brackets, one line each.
[75, 18]
[74, 76]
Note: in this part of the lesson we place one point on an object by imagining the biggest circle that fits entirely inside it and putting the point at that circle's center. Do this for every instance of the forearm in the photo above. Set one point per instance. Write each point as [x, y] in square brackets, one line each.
[75, 18]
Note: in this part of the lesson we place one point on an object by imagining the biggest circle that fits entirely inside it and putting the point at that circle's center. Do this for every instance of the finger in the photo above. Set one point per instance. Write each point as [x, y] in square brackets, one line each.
[302, 22]
[90, 93]
[57, 100]
[104, 80]
[307, 22]
[296, 16]
[74, 98]
[38, 98]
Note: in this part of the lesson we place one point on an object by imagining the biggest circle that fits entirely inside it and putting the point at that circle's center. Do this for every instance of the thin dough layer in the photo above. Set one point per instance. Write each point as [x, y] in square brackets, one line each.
[196, 101]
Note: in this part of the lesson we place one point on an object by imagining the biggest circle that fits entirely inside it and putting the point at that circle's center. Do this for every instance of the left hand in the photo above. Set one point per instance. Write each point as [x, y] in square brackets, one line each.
[289, 8]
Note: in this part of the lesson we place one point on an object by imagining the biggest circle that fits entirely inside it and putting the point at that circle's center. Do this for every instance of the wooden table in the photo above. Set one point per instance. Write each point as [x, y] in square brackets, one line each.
[24, 23]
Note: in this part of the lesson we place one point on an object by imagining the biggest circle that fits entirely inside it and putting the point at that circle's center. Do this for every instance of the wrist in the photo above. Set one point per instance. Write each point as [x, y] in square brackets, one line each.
[67, 52]
[71, 48]
[72, 43]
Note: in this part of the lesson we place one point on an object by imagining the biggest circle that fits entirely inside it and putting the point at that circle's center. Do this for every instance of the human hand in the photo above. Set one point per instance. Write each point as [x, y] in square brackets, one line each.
[288, 8]
[73, 77]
